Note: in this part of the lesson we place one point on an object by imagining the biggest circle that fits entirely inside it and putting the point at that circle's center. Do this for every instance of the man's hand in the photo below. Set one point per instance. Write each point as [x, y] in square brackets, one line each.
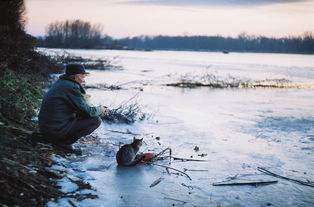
[104, 110]
[87, 96]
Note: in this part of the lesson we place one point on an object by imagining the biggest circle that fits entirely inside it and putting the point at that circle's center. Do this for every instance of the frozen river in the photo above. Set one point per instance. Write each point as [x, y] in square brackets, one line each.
[237, 130]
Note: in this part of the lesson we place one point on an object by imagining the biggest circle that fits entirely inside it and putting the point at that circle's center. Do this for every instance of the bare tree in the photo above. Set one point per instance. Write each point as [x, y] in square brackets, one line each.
[74, 34]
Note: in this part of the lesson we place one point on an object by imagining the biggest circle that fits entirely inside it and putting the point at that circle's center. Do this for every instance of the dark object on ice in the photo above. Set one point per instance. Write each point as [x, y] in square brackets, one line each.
[255, 183]
[196, 148]
[126, 156]
[156, 182]
[157, 138]
[307, 183]
[225, 52]
[187, 159]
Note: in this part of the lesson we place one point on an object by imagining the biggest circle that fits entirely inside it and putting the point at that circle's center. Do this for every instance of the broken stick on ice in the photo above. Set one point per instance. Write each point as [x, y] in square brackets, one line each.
[156, 182]
[308, 183]
[245, 183]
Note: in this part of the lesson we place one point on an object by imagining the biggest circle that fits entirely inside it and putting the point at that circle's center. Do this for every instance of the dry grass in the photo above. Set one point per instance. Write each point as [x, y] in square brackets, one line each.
[212, 81]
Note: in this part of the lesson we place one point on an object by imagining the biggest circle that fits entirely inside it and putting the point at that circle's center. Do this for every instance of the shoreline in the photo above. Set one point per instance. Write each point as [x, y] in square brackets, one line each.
[30, 175]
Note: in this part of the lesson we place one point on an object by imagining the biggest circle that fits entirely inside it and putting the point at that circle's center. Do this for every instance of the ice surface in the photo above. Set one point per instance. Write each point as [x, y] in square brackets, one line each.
[237, 130]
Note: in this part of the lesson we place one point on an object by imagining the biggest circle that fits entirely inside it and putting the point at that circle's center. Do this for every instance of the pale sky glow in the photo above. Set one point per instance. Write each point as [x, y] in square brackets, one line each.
[122, 18]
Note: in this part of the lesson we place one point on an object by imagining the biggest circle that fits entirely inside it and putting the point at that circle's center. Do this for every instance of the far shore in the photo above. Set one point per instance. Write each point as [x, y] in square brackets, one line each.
[178, 50]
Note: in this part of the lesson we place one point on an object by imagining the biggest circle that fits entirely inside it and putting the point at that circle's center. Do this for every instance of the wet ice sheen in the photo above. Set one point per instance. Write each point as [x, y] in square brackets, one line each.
[238, 129]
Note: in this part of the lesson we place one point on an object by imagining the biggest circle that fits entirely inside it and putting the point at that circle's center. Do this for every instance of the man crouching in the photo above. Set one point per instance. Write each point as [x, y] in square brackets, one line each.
[65, 116]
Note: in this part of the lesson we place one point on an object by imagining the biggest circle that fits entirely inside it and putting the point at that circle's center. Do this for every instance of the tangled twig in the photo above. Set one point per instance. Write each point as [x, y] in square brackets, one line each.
[167, 167]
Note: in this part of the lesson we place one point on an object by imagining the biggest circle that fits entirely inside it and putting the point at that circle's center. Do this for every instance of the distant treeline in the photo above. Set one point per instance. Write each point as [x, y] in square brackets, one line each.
[81, 34]
[243, 43]
[77, 34]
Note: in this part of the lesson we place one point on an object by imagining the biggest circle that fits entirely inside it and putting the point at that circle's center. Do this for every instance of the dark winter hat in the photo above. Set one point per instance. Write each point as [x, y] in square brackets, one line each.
[75, 68]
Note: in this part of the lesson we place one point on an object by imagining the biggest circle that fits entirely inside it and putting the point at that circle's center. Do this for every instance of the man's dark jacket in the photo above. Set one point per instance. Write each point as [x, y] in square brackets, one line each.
[61, 106]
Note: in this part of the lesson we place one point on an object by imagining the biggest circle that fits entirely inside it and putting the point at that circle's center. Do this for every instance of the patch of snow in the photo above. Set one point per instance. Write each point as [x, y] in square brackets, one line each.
[67, 186]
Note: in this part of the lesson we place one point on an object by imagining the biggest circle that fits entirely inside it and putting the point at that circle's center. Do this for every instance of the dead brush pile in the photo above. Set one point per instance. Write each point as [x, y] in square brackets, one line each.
[125, 114]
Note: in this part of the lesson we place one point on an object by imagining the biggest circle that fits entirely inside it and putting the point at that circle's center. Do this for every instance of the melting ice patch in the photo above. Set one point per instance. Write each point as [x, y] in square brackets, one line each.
[287, 124]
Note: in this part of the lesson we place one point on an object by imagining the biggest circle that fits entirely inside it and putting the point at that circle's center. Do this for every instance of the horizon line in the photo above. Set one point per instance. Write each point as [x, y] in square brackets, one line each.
[307, 32]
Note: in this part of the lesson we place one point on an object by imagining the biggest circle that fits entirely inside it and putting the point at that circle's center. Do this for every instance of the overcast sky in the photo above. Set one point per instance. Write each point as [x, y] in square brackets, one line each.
[122, 18]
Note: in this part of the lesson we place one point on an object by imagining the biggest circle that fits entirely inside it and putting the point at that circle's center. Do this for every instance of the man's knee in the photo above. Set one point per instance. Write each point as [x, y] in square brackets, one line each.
[97, 121]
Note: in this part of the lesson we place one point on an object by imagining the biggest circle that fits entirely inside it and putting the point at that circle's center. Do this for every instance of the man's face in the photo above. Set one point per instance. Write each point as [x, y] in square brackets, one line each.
[80, 78]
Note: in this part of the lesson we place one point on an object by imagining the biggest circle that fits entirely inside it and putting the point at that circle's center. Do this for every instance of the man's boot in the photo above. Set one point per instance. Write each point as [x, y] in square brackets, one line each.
[67, 148]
